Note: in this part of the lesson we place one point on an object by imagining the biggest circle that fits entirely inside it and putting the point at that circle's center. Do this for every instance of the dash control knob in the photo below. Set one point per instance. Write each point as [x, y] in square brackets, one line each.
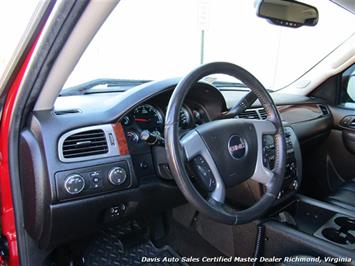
[74, 184]
[117, 176]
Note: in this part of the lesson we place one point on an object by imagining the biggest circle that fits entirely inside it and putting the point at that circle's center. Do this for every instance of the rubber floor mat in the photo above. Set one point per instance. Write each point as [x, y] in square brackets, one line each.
[114, 246]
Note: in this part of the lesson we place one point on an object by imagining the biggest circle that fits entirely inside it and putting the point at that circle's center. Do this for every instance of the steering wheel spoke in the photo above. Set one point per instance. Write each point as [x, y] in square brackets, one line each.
[198, 154]
[262, 174]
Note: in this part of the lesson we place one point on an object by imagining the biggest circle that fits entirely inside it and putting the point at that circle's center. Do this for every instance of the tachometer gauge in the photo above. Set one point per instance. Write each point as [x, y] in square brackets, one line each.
[148, 118]
[185, 118]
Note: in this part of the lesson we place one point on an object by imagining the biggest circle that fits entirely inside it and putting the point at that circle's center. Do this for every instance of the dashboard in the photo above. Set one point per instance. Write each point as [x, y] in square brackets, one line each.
[83, 163]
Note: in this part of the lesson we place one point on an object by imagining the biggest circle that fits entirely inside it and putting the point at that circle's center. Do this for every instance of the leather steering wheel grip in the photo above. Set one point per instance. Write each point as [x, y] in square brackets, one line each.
[175, 153]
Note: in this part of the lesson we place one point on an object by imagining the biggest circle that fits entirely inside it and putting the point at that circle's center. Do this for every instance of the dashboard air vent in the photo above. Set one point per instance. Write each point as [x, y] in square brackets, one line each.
[324, 109]
[85, 143]
[262, 114]
[64, 112]
[249, 114]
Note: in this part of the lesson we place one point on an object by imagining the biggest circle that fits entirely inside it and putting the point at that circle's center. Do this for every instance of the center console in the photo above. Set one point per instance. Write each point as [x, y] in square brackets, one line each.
[312, 227]
[300, 225]
[323, 221]
[293, 170]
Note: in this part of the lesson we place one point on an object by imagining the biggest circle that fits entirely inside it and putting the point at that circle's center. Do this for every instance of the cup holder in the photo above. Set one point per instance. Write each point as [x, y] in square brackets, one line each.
[345, 223]
[334, 235]
[337, 236]
[340, 230]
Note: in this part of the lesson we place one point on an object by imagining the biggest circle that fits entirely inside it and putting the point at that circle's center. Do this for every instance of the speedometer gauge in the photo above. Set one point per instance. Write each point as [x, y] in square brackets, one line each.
[148, 118]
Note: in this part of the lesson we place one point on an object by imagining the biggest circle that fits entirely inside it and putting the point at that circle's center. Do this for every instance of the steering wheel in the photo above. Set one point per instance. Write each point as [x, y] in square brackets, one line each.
[225, 153]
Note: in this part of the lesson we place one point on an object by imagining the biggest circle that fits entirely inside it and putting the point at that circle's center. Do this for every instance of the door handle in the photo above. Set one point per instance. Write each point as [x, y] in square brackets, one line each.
[348, 121]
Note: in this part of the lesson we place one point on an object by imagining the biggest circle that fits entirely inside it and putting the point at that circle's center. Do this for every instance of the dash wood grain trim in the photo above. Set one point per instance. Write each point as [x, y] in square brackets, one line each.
[121, 139]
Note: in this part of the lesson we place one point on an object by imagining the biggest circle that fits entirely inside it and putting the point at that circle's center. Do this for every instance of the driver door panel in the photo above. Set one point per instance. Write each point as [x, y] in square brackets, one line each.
[349, 140]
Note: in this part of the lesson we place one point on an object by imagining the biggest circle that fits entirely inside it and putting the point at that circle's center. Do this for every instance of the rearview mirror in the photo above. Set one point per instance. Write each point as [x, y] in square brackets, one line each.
[287, 13]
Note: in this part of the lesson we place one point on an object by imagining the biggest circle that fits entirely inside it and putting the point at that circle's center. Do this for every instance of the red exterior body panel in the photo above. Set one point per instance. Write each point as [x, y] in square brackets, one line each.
[8, 225]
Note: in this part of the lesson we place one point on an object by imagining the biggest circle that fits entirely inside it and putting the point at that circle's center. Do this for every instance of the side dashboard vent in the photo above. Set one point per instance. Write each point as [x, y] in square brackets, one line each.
[249, 114]
[262, 113]
[85, 143]
[324, 109]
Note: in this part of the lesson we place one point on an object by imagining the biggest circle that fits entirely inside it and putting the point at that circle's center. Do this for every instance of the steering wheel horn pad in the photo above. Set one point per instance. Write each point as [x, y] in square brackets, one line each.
[232, 149]
[232, 144]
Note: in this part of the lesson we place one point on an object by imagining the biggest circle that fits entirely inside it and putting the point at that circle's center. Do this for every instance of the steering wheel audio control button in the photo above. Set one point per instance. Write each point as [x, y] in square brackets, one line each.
[74, 184]
[204, 173]
[117, 176]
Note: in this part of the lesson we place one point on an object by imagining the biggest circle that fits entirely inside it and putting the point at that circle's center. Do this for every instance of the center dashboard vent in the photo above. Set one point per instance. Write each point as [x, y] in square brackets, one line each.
[88, 143]
[249, 114]
[92, 142]
[262, 114]
[253, 114]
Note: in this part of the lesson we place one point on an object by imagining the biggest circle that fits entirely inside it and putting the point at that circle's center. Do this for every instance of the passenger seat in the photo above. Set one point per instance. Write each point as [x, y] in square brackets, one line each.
[344, 196]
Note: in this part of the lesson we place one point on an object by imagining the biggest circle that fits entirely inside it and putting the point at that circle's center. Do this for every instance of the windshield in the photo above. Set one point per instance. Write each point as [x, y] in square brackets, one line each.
[158, 39]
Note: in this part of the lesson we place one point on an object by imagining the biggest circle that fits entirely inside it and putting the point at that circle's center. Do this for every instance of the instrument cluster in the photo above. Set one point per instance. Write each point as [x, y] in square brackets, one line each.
[150, 117]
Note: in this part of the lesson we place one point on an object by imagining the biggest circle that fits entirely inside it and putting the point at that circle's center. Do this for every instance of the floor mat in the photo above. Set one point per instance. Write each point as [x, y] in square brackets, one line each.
[124, 245]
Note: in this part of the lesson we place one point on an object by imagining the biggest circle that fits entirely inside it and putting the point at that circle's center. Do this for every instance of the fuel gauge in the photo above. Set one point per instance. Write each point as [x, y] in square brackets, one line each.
[198, 117]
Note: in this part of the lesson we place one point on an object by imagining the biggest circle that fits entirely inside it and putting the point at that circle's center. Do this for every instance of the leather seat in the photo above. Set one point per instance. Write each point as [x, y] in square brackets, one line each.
[344, 196]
